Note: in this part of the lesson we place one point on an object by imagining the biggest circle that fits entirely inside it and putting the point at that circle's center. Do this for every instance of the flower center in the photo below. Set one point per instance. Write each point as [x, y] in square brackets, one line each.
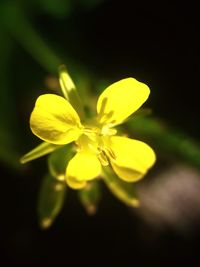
[94, 139]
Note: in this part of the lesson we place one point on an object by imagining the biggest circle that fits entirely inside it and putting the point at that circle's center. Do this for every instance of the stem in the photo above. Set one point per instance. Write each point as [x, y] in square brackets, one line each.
[21, 29]
[169, 142]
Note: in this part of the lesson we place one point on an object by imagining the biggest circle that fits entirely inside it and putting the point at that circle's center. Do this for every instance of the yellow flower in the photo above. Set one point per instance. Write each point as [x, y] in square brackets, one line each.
[55, 121]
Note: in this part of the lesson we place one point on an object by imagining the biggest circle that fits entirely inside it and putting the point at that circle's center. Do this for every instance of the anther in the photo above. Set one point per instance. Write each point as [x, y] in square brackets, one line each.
[103, 158]
[110, 153]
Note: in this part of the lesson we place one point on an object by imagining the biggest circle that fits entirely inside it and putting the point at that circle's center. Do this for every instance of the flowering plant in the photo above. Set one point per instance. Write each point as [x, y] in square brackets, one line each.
[59, 121]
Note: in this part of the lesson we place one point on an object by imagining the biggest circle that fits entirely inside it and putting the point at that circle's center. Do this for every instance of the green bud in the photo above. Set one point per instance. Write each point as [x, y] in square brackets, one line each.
[39, 151]
[69, 91]
[50, 201]
[89, 196]
[124, 191]
[58, 160]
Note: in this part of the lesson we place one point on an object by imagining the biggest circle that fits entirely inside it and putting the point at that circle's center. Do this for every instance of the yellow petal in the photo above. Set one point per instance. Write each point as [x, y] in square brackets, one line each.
[120, 100]
[54, 120]
[84, 166]
[130, 158]
[74, 184]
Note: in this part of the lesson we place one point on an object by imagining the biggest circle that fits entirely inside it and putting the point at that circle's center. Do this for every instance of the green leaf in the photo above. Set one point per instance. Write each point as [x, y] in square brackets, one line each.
[58, 160]
[51, 199]
[90, 196]
[39, 151]
[124, 191]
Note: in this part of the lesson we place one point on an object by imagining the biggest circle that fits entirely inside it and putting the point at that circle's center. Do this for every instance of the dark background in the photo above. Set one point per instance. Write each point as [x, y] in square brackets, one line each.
[158, 44]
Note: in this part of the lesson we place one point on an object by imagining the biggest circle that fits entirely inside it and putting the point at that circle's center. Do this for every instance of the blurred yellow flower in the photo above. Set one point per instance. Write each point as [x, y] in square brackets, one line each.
[55, 121]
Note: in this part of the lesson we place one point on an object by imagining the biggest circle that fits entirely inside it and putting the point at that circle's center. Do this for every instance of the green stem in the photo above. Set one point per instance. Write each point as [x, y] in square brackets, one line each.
[8, 126]
[168, 142]
[21, 29]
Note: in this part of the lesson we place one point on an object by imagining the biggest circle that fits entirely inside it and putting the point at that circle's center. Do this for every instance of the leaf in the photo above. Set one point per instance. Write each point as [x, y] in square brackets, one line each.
[51, 199]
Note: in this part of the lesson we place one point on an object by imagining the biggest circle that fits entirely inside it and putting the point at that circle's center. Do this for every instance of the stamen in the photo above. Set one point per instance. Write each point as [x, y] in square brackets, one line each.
[103, 117]
[113, 122]
[91, 130]
[110, 153]
[103, 158]
[103, 105]
[106, 130]
[106, 117]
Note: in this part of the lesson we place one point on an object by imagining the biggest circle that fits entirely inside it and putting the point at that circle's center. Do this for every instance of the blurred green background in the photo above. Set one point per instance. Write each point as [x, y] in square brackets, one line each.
[100, 42]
